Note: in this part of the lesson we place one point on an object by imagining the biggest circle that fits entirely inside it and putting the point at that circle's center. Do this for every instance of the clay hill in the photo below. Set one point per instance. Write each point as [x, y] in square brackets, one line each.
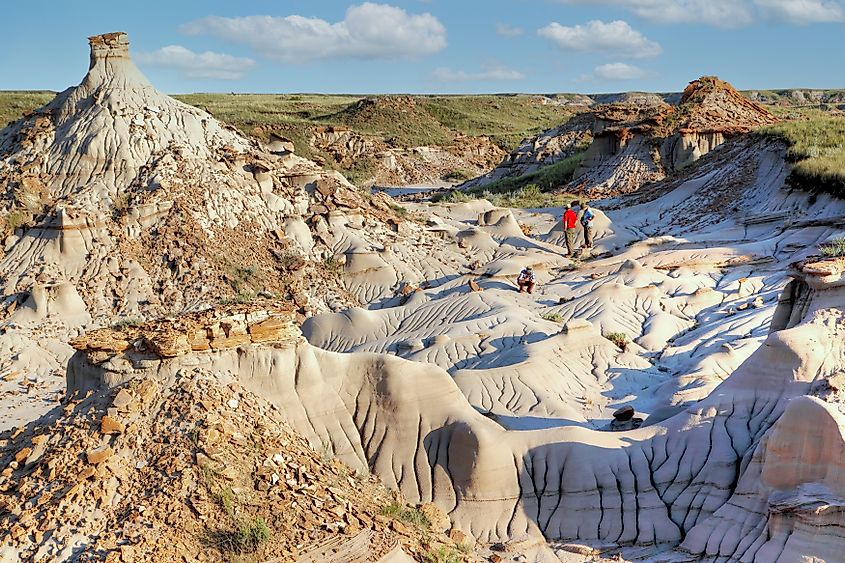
[196, 468]
[445, 157]
[631, 144]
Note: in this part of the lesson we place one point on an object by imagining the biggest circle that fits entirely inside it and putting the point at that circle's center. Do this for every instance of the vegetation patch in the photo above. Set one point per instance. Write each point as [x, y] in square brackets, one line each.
[406, 515]
[15, 219]
[459, 175]
[817, 151]
[554, 317]
[833, 248]
[530, 197]
[14, 104]
[547, 178]
[446, 554]
[618, 338]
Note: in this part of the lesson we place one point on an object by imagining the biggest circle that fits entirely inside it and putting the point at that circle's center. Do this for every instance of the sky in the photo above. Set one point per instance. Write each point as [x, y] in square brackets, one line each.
[433, 46]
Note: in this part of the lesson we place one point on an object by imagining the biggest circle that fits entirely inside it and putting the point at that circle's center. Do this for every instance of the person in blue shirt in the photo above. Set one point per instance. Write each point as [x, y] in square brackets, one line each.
[587, 217]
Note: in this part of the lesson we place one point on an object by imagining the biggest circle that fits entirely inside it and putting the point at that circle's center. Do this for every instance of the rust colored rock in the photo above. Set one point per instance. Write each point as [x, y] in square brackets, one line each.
[436, 517]
[21, 456]
[473, 286]
[109, 425]
[99, 455]
[460, 537]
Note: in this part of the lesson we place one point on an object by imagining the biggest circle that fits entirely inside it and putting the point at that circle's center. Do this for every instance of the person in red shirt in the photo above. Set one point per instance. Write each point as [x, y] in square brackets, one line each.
[570, 220]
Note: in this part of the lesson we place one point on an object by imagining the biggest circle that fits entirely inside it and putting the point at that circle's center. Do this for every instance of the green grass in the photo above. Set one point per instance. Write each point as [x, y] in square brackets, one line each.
[252, 534]
[529, 197]
[14, 104]
[445, 554]
[128, 322]
[833, 248]
[532, 190]
[427, 120]
[554, 317]
[15, 219]
[547, 178]
[240, 298]
[817, 151]
[406, 515]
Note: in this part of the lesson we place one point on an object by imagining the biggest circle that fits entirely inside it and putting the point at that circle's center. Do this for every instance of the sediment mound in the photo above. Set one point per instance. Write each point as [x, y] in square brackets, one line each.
[712, 105]
[132, 197]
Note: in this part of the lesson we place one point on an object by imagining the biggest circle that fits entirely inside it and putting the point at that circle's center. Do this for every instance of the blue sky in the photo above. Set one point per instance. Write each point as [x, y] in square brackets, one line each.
[434, 46]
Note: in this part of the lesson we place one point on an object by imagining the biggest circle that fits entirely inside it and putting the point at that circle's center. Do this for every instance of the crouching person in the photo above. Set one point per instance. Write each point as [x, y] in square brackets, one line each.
[526, 280]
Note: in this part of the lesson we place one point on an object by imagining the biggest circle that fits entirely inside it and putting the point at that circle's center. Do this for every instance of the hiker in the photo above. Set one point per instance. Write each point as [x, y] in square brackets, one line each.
[587, 217]
[570, 220]
[525, 281]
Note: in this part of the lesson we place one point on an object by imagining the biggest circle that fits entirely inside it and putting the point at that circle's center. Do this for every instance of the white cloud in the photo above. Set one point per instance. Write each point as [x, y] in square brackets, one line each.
[508, 30]
[802, 11]
[618, 72]
[729, 13]
[722, 13]
[489, 73]
[616, 37]
[197, 65]
[368, 31]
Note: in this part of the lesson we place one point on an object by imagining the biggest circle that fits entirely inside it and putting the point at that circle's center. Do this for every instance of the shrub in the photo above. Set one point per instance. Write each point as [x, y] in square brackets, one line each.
[445, 554]
[406, 515]
[252, 534]
[332, 264]
[458, 175]
[16, 218]
[554, 317]
[618, 338]
[127, 322]
[833, 248]
[240, 298]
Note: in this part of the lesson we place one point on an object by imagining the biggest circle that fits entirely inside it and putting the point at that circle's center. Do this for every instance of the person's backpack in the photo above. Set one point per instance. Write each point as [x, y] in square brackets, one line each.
[587, 218]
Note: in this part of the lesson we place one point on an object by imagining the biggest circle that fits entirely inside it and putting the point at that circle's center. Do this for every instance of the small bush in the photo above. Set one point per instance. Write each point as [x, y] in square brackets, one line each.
[454, 196]
[252, 534]
[833, 248]
[127, 322]
[618, 338]
[332, 264]
[241, 298]
[406, 515]
[458, 175]
[16, 218]
[445, 555]
[554, 317]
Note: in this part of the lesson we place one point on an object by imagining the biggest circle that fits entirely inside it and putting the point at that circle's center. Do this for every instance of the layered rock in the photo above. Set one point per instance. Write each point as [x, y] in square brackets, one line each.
[635, 140]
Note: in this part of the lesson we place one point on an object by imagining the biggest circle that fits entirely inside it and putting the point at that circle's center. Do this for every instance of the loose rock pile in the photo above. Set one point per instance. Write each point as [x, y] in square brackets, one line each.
[200, 469]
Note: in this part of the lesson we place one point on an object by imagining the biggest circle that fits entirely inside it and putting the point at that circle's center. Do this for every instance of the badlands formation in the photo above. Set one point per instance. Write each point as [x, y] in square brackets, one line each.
[216, 350]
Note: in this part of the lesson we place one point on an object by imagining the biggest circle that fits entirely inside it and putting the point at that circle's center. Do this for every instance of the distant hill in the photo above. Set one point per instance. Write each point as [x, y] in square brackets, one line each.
[376, 139]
